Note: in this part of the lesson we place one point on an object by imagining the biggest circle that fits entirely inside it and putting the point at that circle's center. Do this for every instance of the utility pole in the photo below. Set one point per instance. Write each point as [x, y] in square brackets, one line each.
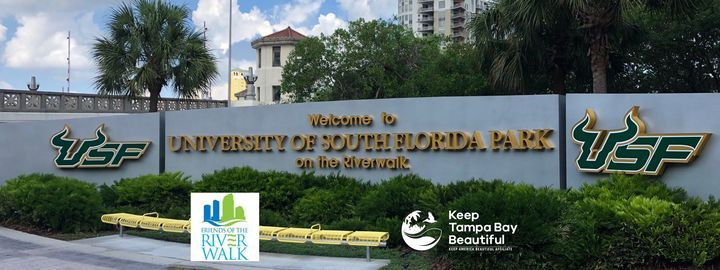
[209, 92]
[68, 60]
[229, 54]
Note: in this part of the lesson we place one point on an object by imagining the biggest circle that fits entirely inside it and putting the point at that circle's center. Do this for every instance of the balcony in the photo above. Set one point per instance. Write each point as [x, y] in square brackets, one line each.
[459, 5]
[425, 29]
[425, 9]
[458, 15]
[458, 34]
[426, 19]
[425, 1]
[457, 24]
[57, 102]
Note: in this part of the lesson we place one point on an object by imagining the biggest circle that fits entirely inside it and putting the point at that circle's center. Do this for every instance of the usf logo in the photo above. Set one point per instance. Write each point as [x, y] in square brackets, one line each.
[98, 152]
[631, 150]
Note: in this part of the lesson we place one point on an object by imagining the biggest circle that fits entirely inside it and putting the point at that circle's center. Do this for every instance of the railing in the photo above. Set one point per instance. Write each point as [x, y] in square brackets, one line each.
[55, 102]
[425, 9]
[425, 28]
[426, 19]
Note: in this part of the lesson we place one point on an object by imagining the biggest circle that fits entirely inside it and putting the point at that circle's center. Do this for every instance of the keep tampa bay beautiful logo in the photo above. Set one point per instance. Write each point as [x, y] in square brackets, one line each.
[466, 232]
[225, 227]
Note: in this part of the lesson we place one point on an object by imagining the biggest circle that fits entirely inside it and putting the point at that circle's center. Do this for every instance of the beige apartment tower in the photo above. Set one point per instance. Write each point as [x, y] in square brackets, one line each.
[441, 17]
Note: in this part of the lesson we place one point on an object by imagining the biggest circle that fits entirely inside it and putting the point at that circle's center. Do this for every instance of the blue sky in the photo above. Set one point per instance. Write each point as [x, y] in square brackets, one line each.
[33, 33]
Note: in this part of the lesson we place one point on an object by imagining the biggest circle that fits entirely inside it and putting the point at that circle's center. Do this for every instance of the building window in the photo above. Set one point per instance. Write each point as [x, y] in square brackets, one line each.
[441, 22]
[276, 56]
[257, 94]
[441, 4]
[259, 57]
[276, 93]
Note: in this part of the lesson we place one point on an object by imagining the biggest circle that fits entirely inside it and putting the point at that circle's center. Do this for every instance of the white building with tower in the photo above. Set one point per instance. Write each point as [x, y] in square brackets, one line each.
[272, 53]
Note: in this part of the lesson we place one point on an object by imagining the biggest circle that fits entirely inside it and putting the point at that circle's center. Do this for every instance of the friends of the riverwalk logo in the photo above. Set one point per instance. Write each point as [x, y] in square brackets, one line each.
[418, 232]
[98, 152]
[225, 227]
[631, 150]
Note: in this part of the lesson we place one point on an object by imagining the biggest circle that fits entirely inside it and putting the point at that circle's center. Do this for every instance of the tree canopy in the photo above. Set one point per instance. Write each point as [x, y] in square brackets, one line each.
[151, 45]
[378, 59]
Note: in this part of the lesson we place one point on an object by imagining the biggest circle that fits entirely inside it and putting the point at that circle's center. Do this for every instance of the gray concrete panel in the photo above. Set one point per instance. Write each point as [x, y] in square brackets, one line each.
[483, 114]
[661, 113]
[25, 146]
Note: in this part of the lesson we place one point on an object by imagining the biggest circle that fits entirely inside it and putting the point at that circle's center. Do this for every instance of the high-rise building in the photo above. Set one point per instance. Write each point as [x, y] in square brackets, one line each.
[441, 17]
[238, 86]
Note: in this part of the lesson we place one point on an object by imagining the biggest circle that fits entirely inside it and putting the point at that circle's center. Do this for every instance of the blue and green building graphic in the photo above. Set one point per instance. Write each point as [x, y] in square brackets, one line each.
[229, 215]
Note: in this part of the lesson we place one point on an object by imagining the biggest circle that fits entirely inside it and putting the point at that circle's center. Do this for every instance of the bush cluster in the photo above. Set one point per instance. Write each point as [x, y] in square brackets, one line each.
[617, 223]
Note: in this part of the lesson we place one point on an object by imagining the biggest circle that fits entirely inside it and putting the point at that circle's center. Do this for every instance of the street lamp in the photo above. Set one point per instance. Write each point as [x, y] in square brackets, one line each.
[250, 79]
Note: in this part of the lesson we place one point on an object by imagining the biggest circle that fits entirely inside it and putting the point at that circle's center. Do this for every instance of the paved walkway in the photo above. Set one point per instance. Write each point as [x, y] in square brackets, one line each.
[20, 250]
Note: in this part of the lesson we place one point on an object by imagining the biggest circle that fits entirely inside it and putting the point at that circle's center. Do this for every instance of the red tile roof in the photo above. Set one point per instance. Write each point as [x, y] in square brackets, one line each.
[287, 35]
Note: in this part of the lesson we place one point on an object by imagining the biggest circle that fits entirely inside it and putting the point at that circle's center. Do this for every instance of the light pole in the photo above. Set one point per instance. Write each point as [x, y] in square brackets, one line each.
[250, 80]
[229, 97]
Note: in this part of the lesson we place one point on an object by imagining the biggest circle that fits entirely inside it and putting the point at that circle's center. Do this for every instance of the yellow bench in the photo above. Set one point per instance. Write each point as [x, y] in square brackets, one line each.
[362, 238]
[329, 237]
[296, 235]
[149, 221]
[269, 232]
[313, 235]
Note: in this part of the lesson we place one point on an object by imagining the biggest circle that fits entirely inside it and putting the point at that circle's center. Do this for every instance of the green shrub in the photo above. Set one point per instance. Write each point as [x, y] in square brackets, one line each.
[452, 191]
[322, 206]
[599, 238]
[537, 213]
[271, 218]
[624, 186]
[692, 235]
[50, 202]
[167, 194]
[278, 190]
[397, 197]
[351, 224]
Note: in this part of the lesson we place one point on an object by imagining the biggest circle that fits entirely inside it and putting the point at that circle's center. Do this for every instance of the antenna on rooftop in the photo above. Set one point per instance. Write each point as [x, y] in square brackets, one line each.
[68, 61]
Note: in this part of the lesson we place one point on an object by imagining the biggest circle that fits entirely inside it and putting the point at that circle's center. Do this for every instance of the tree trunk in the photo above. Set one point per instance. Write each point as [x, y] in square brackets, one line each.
[154, 97]
[599, 65]
[557, 81]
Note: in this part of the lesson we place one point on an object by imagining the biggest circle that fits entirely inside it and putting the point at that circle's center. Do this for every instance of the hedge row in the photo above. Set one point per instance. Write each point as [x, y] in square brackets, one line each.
[620, 222]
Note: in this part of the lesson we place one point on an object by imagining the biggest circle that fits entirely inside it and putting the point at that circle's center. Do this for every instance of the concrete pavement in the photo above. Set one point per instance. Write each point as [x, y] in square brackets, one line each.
[20, 250]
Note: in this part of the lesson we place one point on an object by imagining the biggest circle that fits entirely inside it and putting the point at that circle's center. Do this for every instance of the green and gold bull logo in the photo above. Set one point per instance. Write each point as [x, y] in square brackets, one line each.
[630, 150]
[98, 152]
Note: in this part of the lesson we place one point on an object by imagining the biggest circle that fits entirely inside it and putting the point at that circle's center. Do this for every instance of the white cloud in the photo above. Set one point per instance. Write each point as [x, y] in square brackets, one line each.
[3, 30]
[40, 41]
[246, 25]
[64, 7]
[220, 91]
[369, 9]
[5, 85]
[295, 13]
[327, 24]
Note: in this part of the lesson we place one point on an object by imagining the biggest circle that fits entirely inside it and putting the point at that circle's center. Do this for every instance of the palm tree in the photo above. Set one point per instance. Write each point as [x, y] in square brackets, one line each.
[522, 39]
[600, 19]
[152, 45]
